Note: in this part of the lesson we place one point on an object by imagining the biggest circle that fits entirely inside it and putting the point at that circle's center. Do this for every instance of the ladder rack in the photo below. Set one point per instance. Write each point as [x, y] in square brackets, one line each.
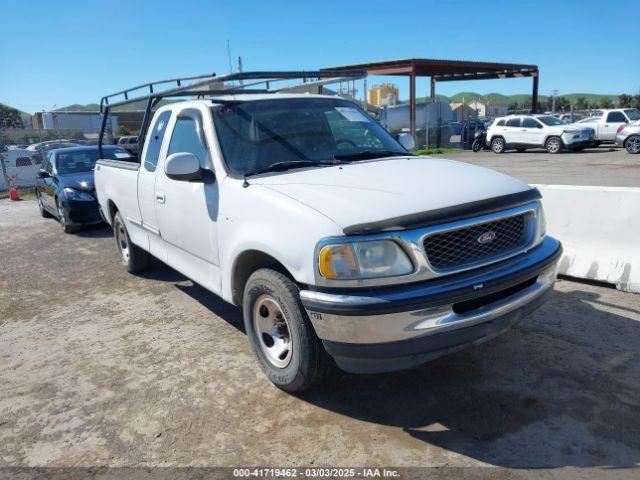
[190, 87]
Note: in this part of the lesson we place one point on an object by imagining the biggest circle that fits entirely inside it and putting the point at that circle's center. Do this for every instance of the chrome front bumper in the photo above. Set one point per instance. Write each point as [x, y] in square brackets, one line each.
[420, 316]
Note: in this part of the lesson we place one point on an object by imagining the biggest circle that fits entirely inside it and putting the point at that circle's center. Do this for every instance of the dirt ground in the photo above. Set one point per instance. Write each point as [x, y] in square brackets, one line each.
[593, 166]
[99, 367]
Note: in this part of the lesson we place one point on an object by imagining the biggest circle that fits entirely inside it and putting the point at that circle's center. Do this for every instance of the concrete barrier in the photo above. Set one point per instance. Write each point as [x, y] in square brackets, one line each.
[599, 228]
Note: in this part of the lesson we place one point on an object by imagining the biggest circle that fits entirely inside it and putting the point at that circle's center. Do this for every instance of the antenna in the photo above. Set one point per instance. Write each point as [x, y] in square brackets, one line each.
[229, 56]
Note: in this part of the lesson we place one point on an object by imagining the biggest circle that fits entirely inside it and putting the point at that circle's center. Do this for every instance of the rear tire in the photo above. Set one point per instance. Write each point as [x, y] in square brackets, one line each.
[498, 145]
[633, 144]
[553, 145]
[281, 335]
[134, 259]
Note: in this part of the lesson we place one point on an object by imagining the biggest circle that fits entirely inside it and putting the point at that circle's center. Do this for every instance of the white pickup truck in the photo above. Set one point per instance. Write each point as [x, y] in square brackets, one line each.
[339, 244]
[606, 125]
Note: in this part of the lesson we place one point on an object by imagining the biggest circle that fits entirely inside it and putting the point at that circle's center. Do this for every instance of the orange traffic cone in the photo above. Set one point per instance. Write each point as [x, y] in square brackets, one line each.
[13, 191]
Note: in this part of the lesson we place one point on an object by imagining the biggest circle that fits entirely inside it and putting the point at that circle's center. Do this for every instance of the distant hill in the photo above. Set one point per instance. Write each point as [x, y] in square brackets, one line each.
[94, 107]
[26, 117]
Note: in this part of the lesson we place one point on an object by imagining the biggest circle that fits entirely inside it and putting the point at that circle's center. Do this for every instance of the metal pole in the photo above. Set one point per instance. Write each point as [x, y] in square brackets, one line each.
[4, 168]
[534, 95]
[412, 104]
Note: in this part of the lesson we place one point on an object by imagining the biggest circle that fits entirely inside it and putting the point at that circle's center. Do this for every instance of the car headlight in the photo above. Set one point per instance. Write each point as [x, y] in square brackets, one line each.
[542, 223]
[366, 259]
[78, 195]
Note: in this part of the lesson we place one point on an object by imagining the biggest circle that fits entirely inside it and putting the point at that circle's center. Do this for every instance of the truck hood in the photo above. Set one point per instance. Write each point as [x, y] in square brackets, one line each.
[373, 191]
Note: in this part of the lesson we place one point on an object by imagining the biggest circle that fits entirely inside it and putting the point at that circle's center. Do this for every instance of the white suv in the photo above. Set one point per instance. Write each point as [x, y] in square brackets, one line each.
[537, 131]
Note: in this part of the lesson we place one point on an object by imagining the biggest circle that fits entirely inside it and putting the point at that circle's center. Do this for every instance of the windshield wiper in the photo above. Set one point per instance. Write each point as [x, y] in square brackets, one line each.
[364, 154]
[287, 165]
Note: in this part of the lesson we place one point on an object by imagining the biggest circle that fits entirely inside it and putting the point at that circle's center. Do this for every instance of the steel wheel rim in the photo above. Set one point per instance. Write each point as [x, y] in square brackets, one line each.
[272, 331]
[123, 242]
[553, 145]
[40, 206]
[633, 144]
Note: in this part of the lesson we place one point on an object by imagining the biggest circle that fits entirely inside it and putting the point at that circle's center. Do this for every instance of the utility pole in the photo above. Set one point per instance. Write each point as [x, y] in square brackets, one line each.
[553, 101]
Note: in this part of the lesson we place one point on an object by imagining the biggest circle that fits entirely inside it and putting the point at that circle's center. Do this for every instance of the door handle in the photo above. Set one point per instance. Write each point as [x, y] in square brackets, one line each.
[160, 198]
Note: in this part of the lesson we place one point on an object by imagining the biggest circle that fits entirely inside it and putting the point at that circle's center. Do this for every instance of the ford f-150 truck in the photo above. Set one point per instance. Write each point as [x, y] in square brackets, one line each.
[339, 244]
[607, 124]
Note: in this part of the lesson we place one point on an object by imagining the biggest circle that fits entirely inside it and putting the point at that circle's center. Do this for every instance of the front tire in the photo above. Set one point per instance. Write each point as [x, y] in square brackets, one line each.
[43, 211]
[134, 259]
[498, 145]
[63, 219]
[553, 145]
[281, 335]
[633, 144]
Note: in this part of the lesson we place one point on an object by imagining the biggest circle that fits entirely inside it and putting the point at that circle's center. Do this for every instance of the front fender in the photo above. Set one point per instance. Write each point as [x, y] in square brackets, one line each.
[258, 218]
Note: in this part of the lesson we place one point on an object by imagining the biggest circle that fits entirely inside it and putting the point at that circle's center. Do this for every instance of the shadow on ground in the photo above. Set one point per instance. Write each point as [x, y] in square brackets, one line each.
[560, 389]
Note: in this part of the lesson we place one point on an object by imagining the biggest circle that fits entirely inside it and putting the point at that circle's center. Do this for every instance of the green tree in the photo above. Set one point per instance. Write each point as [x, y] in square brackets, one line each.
[625, 101]
[562, 104]
[10, 117]
[605, 103]
[581, 103]
[123, 131]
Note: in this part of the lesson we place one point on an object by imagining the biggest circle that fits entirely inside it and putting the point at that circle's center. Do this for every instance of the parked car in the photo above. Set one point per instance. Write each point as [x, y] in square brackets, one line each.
[338, 243]
[130, 143]
[628, 136]
[521, 132]
[65, 188]
[39, 150]
[607, 124]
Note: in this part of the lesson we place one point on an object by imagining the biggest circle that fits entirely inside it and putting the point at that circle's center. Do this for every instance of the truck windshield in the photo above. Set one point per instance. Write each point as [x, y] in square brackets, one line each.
[633, 114]
[254, 135]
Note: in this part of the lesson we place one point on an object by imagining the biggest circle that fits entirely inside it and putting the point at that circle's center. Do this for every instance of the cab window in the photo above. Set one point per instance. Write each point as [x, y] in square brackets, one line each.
[186, 138]
[616, 117]
[155, 135]
[500, 123]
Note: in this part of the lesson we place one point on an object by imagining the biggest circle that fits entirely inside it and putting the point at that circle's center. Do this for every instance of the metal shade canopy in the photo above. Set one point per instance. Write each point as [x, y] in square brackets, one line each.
[445, 71]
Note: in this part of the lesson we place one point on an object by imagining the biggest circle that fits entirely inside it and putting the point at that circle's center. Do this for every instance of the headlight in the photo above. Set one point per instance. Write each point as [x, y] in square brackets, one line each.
[78, 195]
[368, 259]
[542, 223]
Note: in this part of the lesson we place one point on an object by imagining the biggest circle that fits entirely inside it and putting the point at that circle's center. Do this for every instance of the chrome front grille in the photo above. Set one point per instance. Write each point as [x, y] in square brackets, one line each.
[479, 243]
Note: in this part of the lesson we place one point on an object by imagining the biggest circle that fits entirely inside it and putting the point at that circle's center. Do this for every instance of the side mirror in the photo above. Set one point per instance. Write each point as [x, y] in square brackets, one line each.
[43, 174]
[406, 140]
[185, 167]
[540, 126]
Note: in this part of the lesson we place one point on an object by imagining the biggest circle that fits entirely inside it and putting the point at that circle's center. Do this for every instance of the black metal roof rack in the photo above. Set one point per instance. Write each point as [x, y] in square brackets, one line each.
[191, 87]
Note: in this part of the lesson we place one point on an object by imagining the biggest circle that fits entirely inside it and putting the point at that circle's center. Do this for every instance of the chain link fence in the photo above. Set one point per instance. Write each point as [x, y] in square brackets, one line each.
[23, 150]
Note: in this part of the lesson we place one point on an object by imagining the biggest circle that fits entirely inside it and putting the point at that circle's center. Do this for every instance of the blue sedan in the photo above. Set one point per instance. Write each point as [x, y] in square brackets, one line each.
[65, 188]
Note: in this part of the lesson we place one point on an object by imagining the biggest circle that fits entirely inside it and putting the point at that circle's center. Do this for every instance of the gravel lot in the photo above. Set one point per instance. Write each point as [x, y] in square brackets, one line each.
[99, 367]
[593, 166]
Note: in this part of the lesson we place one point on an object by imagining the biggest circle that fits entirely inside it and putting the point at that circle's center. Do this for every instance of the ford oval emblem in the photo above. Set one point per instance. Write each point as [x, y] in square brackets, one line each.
[487, 237]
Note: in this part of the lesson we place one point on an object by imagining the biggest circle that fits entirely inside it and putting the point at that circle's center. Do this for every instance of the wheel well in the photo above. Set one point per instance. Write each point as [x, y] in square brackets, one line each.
[247, 263]
[112, 209]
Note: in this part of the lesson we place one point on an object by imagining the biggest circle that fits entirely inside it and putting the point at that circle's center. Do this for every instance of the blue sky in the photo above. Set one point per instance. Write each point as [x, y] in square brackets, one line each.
[63, 52]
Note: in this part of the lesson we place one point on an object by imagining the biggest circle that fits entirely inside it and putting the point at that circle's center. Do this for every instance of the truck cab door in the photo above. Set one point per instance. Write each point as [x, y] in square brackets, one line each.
[187, 211]
[147, 182]
[610, 126]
